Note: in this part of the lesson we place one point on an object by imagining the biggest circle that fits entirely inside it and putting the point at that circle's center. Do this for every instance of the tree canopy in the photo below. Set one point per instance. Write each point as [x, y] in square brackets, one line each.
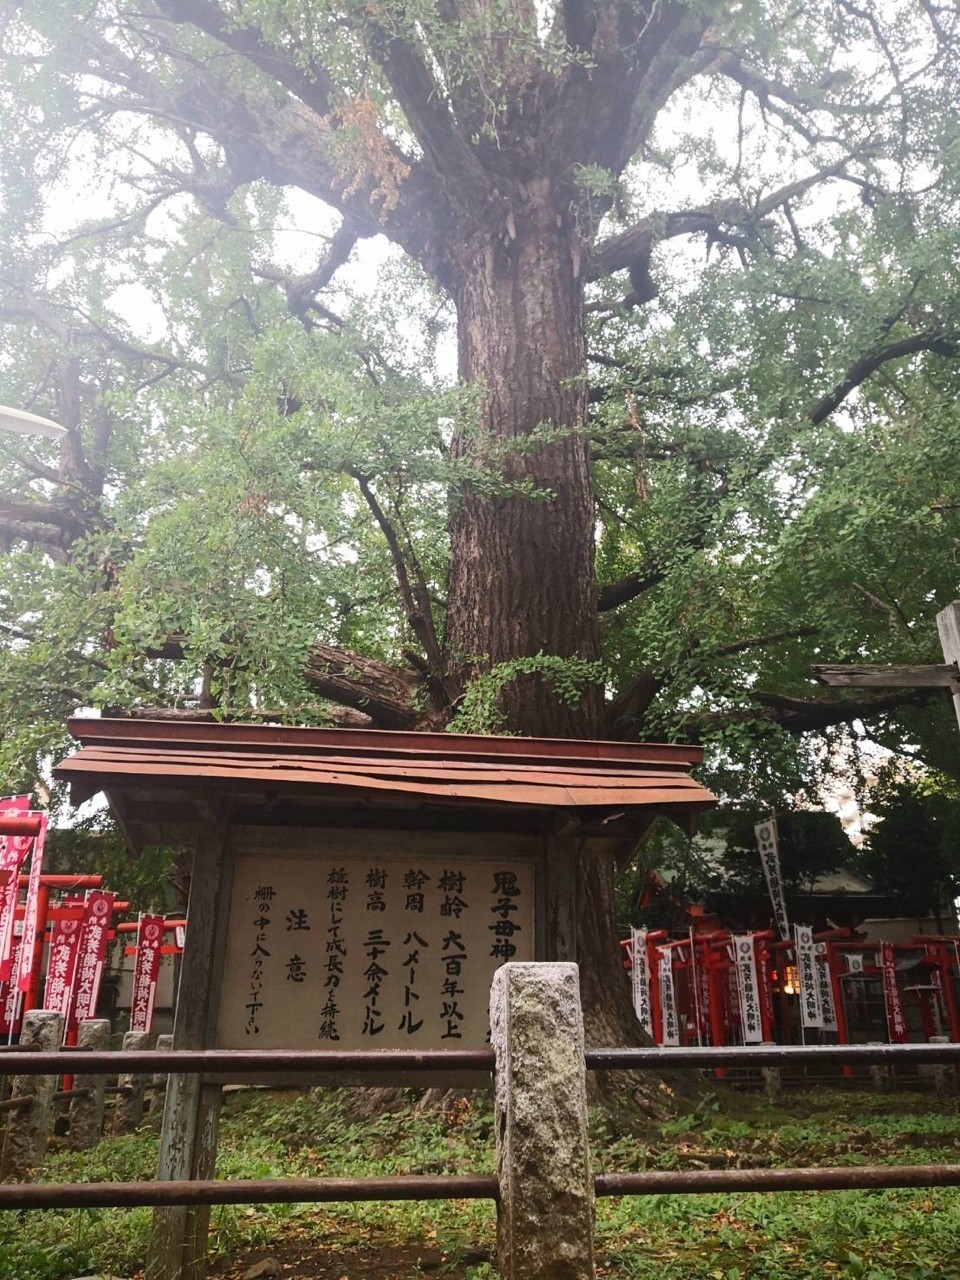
[698, 264]
[913, 852]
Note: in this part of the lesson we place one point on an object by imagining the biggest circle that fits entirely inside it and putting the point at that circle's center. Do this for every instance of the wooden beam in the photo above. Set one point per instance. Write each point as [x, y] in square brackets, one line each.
[948, 624]
[865, 675]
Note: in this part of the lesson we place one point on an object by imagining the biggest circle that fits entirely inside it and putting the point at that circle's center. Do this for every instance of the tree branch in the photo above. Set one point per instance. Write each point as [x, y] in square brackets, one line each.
[626, 712]
[802, 715]
[378, 690]
[66, 519]
[283, 140]
[416, 600]
[727, 220]
[313, 86]
[428, 114]
[660, 76]
[629, 587]
[301, 290]
[938, 343]
[761, 642]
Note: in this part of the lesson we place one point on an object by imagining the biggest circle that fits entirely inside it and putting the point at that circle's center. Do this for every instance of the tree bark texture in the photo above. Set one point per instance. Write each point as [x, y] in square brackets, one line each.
[522, 578]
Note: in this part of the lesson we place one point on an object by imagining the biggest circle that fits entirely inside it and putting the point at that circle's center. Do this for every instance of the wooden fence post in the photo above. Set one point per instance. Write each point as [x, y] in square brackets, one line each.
[25, 1141]
[86, 1106]
[546, 1212]
[191, 1108]
[131, 1088]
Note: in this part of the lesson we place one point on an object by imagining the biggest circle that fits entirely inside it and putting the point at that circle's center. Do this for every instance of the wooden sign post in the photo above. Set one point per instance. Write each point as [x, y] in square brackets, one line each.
[932, 676]
[948, 624]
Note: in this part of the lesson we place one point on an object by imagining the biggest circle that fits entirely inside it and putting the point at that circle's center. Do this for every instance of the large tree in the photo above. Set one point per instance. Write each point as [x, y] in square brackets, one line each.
[699, 260]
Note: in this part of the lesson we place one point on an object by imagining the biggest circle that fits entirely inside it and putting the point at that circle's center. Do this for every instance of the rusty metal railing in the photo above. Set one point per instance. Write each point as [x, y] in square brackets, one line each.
[236, 1062]
[46, 1062]
[771, 1055]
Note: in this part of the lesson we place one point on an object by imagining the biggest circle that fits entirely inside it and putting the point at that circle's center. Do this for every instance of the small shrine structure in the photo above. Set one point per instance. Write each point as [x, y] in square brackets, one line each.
[357, 889]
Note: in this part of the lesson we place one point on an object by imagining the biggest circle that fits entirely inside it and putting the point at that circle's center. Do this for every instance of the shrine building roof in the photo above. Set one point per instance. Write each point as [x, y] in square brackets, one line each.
[157, 773]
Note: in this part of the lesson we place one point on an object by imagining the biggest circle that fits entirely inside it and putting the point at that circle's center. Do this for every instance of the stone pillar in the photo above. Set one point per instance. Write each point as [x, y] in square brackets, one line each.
[546, 1212]
[942, 1073]
[772, 1079]
[879, 1073]
[86, 1106]
[128, 1112]
[25, 1141]
[158, 1082]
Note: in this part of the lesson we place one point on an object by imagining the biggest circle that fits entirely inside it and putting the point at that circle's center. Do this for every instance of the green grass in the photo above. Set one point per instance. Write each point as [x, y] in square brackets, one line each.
[892, 1235]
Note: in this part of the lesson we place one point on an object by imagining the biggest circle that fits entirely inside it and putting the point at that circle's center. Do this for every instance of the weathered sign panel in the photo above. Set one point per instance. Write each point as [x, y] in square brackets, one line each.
[384, 951]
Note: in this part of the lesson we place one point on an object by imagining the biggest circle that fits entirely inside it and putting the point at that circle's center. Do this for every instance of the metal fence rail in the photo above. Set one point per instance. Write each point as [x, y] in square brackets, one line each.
[18, 1196]
[234, 1062]
[771, 1055]
[30, 1061]
[866, 1177]
[128, 1195]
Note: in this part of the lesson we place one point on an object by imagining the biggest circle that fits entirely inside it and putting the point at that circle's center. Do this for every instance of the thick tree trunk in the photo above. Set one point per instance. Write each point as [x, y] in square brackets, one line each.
[522, 578]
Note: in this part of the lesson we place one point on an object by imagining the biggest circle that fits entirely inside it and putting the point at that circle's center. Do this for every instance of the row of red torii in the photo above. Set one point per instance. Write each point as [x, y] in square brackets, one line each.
[57, 932]
[836, 987]
[704, 988]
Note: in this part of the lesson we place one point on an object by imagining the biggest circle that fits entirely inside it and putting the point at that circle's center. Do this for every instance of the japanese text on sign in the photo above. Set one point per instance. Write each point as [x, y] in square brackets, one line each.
[385, 952]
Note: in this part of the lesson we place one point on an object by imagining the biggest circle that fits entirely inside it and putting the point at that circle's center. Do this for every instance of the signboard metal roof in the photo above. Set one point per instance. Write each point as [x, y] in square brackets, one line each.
[383, 766]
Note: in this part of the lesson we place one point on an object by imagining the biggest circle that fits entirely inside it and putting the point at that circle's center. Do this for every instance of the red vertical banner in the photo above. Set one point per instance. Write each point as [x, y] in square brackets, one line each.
[28, 955]
[701, 989]
[10, 996]
[146, 973]
[13, 851]
[766, 986]
[62, 961]
[896, 1023]
[98, 908]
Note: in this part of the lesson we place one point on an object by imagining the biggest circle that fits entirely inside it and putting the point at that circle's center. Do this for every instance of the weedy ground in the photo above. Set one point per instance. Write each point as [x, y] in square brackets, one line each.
[891, 1235]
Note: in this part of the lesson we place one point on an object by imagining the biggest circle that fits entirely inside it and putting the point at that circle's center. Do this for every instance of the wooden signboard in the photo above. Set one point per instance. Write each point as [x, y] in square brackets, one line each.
[357, 890]
[370, 948]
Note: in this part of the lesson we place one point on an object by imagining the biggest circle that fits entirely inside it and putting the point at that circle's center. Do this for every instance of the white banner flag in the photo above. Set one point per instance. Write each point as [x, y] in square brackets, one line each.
[826, 988]
[811, 1008]
[640, 979]
[668, 1001]
[769, 846]
[748, 987]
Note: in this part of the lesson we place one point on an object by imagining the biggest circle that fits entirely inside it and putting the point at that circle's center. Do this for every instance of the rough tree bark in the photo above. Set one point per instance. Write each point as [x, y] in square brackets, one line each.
[521, 579]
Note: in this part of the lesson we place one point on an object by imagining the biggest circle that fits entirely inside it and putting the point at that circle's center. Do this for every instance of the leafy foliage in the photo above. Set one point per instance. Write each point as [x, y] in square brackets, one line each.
[914, 850]
[720, 867]
[886, 1235]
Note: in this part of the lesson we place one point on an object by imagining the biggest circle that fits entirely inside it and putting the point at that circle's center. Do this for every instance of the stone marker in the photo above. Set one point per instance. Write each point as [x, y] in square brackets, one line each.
[772, 1079]
[545, 1220]
[158, 1082]
[25, 1141]
[128, 1112]
[86, 1106]
[880, 1077]
[941, 1073]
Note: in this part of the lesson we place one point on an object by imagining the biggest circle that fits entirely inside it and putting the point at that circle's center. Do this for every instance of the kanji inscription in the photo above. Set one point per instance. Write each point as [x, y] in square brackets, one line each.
[384, 952]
